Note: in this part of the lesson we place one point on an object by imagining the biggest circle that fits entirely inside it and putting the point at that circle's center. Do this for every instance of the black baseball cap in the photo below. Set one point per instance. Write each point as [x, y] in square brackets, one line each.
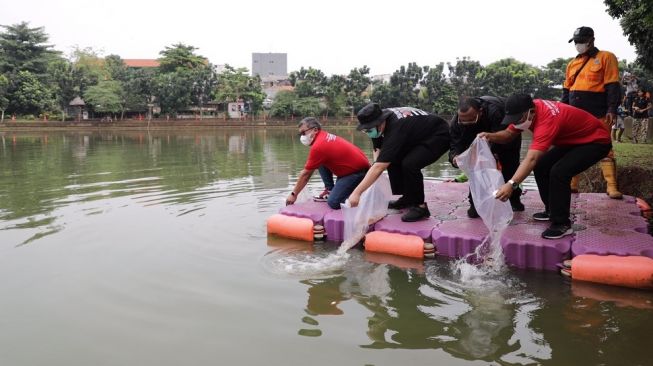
[516, 105]
[582, 35]
[371, 116]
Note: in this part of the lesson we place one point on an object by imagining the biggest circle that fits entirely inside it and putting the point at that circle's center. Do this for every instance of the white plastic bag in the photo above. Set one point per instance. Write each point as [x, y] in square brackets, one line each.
[479, 165]
[373, 206]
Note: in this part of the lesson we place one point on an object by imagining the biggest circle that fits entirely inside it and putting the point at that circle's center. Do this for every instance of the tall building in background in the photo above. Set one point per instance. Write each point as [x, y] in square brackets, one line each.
[270, 65]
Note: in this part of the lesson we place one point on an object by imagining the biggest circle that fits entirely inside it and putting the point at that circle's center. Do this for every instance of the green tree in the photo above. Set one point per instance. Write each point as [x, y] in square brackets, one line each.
[62, 83]
[88, 68]
[105, 97]
[174, 91]
[29, 96]
[308, 82]
[334, 95]
[464, 77]
[4, 101]
[139, 88]
[284, 104]
[356, 84]
[382, 93]
[437, 95]
[24, 49]
[204, 81]
[404, 87]
[180, 56]
[116, 68]
[552, 77]
[508, 76]
[636, 19]
[235, 85]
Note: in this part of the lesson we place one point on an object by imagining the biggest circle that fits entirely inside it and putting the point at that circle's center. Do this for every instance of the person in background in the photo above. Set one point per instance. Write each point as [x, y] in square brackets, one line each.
[566, 141]
[336, 154]
[405, 140]
[484, 114]
[619, 127]
[592, 84]
[641, 107]
[630, 82]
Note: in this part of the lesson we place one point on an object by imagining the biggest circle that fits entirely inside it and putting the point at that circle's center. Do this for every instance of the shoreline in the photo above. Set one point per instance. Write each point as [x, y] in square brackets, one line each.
[633, 172]
[164, 124]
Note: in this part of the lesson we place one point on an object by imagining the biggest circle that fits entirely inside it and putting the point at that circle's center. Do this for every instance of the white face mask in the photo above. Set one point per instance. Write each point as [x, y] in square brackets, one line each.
[582, 47]
[527, 123]
[306, 139]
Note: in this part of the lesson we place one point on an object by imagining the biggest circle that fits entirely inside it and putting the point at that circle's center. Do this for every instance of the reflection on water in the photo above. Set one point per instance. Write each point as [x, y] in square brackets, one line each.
[154, 244]
[430, 308]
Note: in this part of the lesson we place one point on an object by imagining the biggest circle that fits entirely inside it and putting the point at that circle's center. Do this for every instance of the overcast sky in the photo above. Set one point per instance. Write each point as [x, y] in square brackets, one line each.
[331, 35]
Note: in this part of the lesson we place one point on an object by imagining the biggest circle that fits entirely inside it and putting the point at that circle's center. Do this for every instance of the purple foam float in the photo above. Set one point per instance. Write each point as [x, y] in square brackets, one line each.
[312, 210]
[458, 238]
[334, 225]
[604, 220]
[607, 241]
[524, 247]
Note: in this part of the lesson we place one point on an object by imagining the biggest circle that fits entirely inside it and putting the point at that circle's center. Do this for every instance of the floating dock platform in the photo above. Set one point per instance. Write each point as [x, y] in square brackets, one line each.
[602, 226]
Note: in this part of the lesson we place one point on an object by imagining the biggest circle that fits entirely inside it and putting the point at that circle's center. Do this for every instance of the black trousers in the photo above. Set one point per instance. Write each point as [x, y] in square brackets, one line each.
[554, 171]
[405, 172]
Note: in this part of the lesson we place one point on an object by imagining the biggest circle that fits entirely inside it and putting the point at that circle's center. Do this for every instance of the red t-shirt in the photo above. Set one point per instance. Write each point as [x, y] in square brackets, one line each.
[560, 124]
[339, 155]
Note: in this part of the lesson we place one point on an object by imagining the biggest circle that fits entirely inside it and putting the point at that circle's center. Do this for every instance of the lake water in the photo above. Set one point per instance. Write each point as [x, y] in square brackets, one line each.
[137, 248]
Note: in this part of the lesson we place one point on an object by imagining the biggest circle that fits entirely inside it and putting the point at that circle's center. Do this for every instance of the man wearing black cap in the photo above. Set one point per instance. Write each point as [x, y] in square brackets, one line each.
[484, 114]
[566, 141]
[405, 140]
[592, 84]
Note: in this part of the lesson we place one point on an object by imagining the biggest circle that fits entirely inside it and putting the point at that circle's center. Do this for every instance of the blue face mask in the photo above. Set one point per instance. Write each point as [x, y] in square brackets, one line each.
[373, 133]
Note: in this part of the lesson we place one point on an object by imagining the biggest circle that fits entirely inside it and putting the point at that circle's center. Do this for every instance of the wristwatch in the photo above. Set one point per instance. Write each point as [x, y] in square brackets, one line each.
[513, 184]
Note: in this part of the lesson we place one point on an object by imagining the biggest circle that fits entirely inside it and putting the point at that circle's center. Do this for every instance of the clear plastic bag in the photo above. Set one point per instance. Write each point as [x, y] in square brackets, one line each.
[479, 165]
[373, 206]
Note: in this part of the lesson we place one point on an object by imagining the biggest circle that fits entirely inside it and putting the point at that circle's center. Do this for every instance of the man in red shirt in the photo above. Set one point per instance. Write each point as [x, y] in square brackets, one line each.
[566, 141]
[334, 153]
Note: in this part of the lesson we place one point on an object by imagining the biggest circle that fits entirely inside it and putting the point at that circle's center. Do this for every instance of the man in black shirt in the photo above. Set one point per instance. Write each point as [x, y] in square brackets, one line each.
[484, 114]
[405, 140]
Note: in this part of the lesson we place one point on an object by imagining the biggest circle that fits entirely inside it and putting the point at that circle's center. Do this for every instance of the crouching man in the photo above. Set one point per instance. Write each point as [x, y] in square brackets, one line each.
[566, 141]
[334, 153]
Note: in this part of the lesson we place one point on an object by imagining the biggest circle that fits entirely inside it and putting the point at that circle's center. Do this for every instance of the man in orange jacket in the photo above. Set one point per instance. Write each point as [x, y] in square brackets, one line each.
[592, 84]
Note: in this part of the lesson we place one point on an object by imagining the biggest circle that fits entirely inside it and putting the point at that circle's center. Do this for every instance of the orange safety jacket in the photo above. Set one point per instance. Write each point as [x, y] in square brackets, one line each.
[596, 87]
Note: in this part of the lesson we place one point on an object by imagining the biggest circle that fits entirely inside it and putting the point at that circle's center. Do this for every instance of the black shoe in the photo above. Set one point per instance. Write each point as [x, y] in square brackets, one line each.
[416, 213]
[541, 216]
[557, 231]
[398, 204]
[471, 212]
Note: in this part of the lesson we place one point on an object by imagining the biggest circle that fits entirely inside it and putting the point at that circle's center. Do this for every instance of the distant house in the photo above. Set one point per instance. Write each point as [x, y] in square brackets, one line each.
[141, 63]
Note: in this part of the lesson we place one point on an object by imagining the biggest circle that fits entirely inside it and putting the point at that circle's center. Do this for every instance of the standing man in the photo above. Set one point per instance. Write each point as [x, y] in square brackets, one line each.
[630, 81]
[405, 140]
[641, 106]
[566, 141]
[484, 114]
[592, 84]
[337, 155]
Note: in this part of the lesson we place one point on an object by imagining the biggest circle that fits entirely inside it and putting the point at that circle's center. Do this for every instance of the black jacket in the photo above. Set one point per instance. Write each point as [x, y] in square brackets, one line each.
[492, 113]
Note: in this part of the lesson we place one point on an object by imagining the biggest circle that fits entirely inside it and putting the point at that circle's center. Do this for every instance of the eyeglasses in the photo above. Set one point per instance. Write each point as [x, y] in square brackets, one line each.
[368, 130]
[302, 133]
